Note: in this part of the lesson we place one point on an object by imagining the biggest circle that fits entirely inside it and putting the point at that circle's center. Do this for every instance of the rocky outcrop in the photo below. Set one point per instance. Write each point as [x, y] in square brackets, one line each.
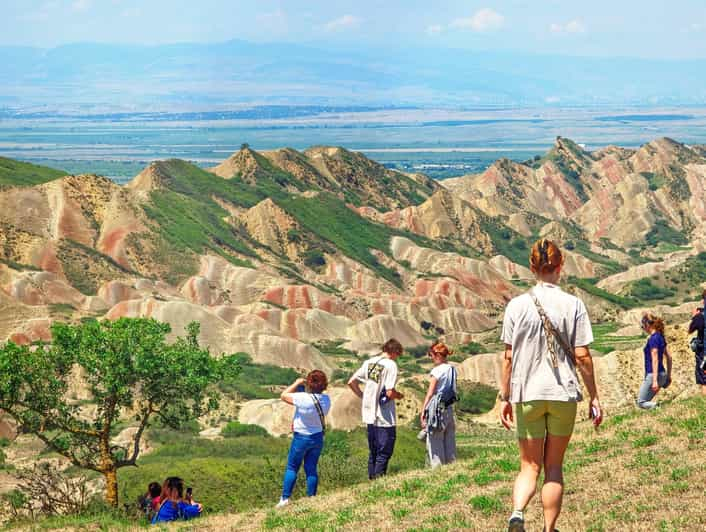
[443, 215]
[270, 225]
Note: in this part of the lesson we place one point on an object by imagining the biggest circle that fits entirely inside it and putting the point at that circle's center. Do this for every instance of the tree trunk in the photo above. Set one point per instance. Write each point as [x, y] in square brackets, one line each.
[111, 487]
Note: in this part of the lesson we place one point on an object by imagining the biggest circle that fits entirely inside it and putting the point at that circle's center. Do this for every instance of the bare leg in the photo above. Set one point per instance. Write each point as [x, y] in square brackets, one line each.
[553, 489]
[531, 455]
[703, 390]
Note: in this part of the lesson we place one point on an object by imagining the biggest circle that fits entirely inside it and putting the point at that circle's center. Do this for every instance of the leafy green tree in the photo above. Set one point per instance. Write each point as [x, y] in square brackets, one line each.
[129, 371]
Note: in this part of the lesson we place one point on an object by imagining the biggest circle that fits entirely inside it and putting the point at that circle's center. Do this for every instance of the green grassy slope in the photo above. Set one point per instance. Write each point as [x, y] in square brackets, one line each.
[640, 471]
[21, 174]
[189, 218]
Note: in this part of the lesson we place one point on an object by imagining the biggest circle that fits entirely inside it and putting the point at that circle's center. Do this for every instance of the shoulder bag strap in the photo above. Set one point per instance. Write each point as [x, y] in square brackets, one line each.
[551, 332]
[320, 411]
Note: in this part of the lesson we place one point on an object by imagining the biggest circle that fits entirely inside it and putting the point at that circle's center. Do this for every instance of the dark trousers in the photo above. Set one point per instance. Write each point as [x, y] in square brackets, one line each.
[381, 442]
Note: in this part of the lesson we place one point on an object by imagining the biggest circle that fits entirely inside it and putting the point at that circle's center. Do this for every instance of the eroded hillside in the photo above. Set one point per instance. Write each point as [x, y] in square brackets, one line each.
[280, 253]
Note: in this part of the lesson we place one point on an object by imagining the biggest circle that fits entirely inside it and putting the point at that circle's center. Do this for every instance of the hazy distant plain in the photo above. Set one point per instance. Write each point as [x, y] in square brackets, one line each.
[438, 142]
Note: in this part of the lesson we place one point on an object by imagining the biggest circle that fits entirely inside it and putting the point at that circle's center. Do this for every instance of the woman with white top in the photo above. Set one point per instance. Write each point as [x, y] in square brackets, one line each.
[437, 415]
[309, 426]
[546, 334]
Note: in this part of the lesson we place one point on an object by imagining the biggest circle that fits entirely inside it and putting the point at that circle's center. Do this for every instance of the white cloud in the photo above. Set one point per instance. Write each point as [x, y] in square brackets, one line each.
[342, 23]
[434, 29]
[696, 27]
[573, 26]
[81, 5]
[485, 19]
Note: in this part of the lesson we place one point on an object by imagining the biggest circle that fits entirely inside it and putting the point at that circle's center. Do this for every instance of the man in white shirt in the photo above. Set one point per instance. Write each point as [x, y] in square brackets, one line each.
[379, 374]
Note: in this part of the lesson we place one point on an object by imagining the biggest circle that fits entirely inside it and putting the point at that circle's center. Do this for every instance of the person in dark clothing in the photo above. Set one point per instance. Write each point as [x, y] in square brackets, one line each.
[697, 325]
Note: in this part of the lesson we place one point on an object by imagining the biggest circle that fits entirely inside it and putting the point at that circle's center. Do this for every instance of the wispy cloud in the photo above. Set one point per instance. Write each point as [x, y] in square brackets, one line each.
[573, 26]
[434, 29]
[81, 5]
[342, 23]
[485, 19]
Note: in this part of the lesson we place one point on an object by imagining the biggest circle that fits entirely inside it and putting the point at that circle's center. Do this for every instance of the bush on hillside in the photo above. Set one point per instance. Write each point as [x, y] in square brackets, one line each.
[255, 380]
[645, 289]
[235, 429]
[314, 259]
[663, 232]
[475, 398]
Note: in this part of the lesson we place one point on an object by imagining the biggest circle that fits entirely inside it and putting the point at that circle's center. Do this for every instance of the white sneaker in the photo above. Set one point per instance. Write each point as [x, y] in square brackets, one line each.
[516, 523]
[282, 503]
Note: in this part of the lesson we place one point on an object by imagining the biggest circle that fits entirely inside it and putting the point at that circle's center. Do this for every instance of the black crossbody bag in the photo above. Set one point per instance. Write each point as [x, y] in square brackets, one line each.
[320, 411]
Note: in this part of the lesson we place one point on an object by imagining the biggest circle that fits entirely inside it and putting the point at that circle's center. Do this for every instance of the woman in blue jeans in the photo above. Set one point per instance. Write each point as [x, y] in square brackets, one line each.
[656, 350]
[311, 407]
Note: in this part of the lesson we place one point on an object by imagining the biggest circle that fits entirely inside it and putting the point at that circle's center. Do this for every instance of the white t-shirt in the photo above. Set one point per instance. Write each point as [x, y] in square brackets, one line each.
[533, 376]
[444, 376]
[306, 417]
[377, 373]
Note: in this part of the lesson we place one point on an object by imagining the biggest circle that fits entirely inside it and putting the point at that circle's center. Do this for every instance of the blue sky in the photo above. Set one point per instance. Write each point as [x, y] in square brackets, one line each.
[674, 29]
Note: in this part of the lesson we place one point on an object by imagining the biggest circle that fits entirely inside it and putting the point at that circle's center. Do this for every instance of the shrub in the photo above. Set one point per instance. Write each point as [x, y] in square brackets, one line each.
[475, 398]
[417, 351]
[645, 289]
[235, 429]
[314, 259]
[254, 380]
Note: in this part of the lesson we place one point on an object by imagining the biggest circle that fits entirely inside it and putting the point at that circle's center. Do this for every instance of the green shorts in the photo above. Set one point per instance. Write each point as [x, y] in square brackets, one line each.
[536, 419]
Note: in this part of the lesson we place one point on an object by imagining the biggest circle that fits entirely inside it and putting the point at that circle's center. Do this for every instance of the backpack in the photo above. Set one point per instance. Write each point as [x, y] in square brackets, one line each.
[450, 395]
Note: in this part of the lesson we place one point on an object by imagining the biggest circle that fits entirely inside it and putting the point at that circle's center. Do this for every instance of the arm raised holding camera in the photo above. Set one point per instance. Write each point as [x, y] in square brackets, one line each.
[287, 394]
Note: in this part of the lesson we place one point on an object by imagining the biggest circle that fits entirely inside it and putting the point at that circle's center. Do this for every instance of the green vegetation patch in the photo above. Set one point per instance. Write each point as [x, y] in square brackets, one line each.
[662, 232]
[475, 398]
[588, 285]
[20, 174]
[605, 342]
[608, 265]
[645, 290]
[241, 473]
[255, 381]
[328, 217]
[506, 241]
[85, 268]
[189, 224]
[655, 181]
[235, 429]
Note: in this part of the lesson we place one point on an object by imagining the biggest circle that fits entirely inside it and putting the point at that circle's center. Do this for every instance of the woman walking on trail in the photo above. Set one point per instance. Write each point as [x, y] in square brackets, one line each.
[656, 350]
[437, 415]
[546, 334]
[309, 425]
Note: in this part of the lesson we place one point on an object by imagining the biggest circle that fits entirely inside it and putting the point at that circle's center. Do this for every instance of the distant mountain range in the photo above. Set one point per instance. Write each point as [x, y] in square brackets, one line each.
[237, 72]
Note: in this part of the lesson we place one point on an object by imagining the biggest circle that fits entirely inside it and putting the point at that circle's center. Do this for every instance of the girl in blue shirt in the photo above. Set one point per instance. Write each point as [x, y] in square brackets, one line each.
[173, 506]
[656, 351]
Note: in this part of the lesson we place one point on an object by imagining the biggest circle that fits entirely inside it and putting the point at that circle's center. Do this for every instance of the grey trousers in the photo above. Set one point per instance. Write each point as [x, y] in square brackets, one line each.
[645, 395]
[441, 444]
